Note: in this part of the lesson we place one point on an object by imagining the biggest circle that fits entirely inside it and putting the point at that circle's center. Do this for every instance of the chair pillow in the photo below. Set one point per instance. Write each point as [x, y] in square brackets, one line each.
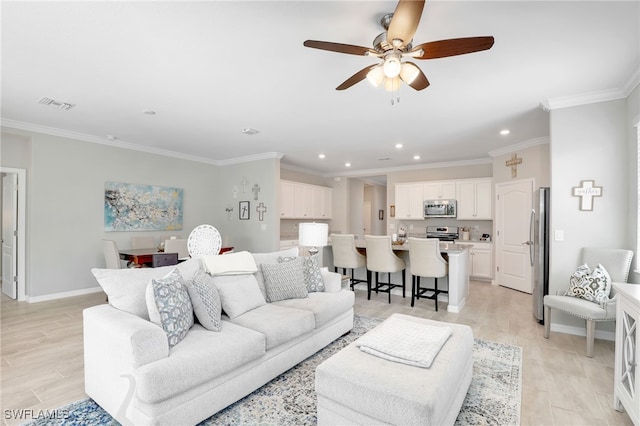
[173, 306]
[594, 286]
[312, 275]
[238, 293]
[285, 280]
[205, 300]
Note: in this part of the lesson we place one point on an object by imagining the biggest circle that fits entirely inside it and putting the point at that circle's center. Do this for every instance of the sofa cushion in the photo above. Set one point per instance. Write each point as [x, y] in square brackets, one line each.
[200, 357]
[277, 323]
[272, 257]
[324, 306]
[205, 300]
[125, 288]
[284, 280]
[174, 308]
[238, 293]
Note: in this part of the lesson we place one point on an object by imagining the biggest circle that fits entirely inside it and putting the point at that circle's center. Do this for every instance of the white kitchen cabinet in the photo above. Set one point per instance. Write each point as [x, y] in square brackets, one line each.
[409, 201]
[303, 201]
[287, 202]
[475, 199]
[439, 191]
[481, 261]
[626, 392]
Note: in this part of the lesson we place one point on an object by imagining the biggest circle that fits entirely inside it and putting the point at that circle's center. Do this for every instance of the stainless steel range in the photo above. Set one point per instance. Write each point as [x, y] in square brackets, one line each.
[443, 233]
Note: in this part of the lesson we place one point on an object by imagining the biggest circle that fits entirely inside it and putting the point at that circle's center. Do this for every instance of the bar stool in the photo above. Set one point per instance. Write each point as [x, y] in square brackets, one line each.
[346, 256]
[380, 258]
[426, 261]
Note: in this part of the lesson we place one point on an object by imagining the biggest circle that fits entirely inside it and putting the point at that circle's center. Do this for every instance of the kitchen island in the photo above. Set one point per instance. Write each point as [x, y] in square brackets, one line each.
[457, 282]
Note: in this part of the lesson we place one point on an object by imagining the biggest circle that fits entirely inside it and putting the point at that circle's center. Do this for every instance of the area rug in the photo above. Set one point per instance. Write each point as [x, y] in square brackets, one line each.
[494, 396]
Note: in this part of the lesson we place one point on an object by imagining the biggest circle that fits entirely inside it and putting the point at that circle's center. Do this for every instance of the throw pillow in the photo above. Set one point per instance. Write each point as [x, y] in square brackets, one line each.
[285, 280]
[205, 300]
[174, 306]
[238, 293]
[312, 275]
[594, 286]
[271, 257]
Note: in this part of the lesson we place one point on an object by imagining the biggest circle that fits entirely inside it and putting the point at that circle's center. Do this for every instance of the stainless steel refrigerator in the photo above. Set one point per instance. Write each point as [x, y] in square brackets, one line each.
[539, 250]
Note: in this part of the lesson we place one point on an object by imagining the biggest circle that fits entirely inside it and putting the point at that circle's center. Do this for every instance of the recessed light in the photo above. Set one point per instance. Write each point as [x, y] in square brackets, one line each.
[399, 145]
[249, 131]
[416, 157]
[149, 112]
[505, 132]
[111, 137]
[347, 164]
[321, 155]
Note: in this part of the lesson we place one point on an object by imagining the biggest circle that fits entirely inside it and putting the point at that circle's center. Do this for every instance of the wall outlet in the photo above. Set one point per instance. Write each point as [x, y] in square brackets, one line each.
[558, 235]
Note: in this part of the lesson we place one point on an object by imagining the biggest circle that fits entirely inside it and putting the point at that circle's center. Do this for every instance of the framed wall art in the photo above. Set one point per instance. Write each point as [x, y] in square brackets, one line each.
[132, 207]
[243, 211]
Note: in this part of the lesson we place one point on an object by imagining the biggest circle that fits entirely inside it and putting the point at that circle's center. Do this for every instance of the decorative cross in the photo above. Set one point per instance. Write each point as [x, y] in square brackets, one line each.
[261, 209]
[587, 191]
[244, 182]
[255, 190]
[235, 191]
[513, 163]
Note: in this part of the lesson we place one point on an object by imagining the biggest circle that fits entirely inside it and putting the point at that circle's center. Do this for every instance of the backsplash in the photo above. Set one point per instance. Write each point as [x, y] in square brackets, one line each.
[289, 228]
[419, 227]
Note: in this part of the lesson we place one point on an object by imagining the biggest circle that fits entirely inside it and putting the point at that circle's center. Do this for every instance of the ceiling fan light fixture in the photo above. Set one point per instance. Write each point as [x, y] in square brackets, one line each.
[376, 76]
[392, 84]
[392, 65]
[409, 72]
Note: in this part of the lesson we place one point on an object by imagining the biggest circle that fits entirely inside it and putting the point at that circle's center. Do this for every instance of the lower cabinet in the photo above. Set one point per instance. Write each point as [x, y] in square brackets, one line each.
[481, 255]
[626, 391]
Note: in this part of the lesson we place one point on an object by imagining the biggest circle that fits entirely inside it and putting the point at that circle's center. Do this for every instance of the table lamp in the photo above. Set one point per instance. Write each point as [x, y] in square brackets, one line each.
[313, 235]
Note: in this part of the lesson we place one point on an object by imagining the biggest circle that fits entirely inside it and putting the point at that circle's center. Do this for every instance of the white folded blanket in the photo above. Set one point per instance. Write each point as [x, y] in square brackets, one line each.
[404, 341]
[238, 263]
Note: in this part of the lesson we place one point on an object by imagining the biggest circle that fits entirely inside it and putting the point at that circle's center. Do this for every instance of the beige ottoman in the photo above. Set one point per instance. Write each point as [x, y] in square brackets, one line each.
[354, 387]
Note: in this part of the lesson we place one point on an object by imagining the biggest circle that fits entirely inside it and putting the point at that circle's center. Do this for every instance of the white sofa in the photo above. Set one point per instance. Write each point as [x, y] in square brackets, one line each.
[131, 371]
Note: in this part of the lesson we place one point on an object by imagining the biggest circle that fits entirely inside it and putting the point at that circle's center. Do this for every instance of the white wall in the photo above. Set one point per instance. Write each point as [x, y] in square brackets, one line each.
[633, 120]
[65, 199]
[588, 142]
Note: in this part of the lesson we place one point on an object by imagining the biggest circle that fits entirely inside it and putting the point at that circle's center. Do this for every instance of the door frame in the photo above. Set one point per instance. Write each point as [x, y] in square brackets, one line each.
[22, 222]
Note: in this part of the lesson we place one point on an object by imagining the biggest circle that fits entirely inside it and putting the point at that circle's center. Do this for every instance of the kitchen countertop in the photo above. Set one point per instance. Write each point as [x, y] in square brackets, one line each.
[452, 248]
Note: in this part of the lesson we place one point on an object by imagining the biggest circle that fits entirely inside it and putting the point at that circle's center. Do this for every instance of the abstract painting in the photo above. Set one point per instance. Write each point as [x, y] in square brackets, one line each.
[130, 207]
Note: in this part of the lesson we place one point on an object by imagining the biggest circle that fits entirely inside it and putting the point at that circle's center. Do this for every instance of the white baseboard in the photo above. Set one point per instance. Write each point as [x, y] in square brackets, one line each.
[579, 331]
[64, 294]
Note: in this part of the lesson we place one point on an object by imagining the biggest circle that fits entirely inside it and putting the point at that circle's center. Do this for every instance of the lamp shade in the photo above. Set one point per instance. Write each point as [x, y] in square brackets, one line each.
[313, 234]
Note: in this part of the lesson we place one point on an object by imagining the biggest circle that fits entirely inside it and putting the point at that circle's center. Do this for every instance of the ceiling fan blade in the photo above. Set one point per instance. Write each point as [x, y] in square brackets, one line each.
[453, 47]
[337, 47]
[356, 78]
[413, 76]
[405, 21]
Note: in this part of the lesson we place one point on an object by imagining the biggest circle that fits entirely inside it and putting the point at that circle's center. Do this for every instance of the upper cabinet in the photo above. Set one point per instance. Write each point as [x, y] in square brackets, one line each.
[439, 191]
[475, 199]
[409, 201]
[303, 201]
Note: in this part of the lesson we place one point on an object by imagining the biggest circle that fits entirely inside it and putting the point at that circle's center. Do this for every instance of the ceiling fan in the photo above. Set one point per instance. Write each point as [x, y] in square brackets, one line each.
[395, 44]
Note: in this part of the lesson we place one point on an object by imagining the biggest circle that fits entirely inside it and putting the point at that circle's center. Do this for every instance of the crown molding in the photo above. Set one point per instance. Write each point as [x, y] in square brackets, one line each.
[13, 124]
[519, 146]
[382, 171]
[622, 92]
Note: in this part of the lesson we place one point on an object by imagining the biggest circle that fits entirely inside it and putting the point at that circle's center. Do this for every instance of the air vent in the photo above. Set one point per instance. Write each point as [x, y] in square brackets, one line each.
[249, 131]
[56, 104]
[384, 159]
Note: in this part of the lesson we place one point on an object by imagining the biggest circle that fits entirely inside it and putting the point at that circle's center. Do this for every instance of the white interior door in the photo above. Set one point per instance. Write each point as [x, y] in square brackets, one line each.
[9, 234]
[513, 215]
[366, 218]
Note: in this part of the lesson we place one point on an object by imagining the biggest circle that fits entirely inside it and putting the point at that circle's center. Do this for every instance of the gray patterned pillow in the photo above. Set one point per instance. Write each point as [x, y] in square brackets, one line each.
[284, 280]
[174, 306]
[592, 286]
[312, 275]
[205, 300]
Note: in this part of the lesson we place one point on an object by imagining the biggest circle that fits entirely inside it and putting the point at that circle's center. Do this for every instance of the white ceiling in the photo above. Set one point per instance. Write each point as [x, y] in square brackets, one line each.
[210, 69]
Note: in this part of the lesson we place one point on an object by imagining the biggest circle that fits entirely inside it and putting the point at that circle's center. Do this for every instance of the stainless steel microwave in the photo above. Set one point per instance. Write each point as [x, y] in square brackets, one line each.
[439, 208]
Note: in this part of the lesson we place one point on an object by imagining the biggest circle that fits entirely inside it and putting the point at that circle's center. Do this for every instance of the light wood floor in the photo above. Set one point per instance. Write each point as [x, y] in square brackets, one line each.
[41, 362]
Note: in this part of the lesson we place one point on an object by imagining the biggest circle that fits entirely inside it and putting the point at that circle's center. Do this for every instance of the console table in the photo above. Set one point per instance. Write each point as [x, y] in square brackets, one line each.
[626, 392]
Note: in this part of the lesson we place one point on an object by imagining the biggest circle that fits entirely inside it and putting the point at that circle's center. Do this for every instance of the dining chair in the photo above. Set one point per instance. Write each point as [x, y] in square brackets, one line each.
[426, 262]
[177, 245]
[617, 262]
[142, 242]
[346, 256]
[381, 259]
[111, 254]
[204, 240]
